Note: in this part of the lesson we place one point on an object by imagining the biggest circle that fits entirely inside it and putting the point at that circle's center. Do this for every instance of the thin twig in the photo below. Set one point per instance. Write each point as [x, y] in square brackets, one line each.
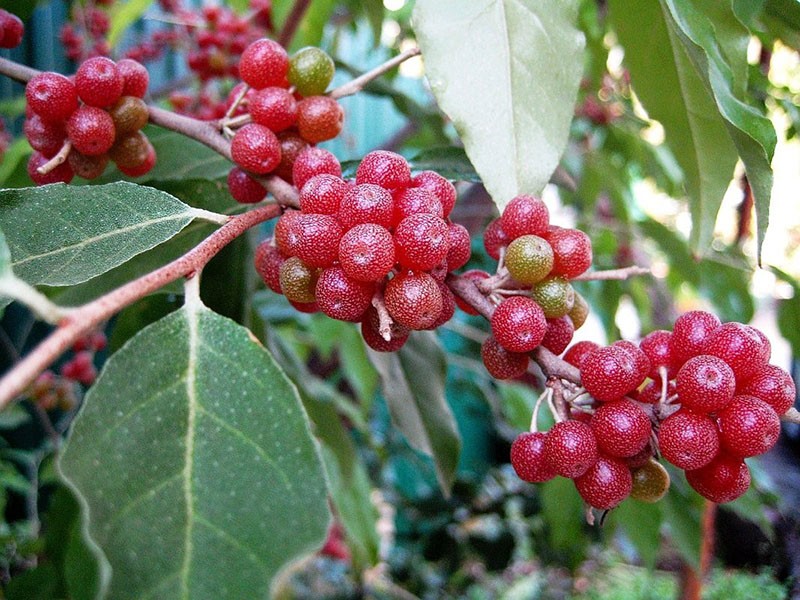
[58, 159]
[613, 274]
[356, 85]
[293, 22]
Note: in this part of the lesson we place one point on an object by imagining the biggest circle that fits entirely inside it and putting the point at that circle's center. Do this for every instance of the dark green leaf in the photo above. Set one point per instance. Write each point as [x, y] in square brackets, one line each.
[642, 524]
[450, 162]
[413, 380]
[681, 509]
[192, 445]
[14, 160]
[39, 583]
[563, 511]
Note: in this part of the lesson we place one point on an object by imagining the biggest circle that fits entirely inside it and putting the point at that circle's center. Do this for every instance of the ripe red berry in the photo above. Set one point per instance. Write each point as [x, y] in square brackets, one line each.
[459, 246]
[518, 324]
[268, 263]
[606, 483]
[410, 201]
[291, 147]
[413, 299]
[11, 30]
[640, 360]
[370, 331]
[495, 239]
[366, 252]
[315, 240]
[722, 480]
[386, 169]
[255, 148]
[621, 428]
[570, 448]
[45, 136]
[500, 363]
[528, 458]
[444, 191]
[282, 227]
[576, 354]
[448, 306]
[525, 215]
[705, 384]
[688, 440]
[273, 107]
[421, 241]
[365, 203]
[748, 426]
[656, 346]
[244, 188]
[740, 346]
[341, 297]
[264, 63]
[609, 373]
[558, 335]
[135, 77]
[319, 118]
[322, 194]
[51, 96]
[99, 82]
[91, 131]
[689, 335]
[773, 385]
[61, 174]
[314, 161]
[572, 251]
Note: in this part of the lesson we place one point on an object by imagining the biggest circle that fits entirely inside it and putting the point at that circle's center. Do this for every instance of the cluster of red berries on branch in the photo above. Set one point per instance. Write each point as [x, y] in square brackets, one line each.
[85, 36]
[375, 250]
[11, 29]
[77, 125]
[703, 397]
[535, 303]
[280, 112]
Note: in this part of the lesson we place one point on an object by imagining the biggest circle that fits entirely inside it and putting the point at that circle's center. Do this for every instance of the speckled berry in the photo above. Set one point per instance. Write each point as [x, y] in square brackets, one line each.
[528, 458]
[413, 299]
[264, 63]
[572, 251]
[689, 335]
[579, 312]
[386, 169]
[555, 295]
[740, 346]
[495, 239]
[656, 345]
[310, 71]
[609, 373]
[365, 203]
[411, 201]
[525, 215]
[256, 149]
[51, 96]
[341, 297]
[570, 448]
[268, 263]
[773, 385]
[370, 331]
[650, 482]
[621, 428]
[558, 335]
[605, 484]
[243, 188]
[319, 118]
[315, 239]
[579, 351]
[298, 281]
[518, 324]
[366, 252]
[748, 426]
[314, 161]
[99, 82]
[500, 363]
[529, 259]
[441, 188]
[273, 107]
[322, 194]
[722, 480]
[421, 241]
[705, 384]
[688, 440]
[459, 248]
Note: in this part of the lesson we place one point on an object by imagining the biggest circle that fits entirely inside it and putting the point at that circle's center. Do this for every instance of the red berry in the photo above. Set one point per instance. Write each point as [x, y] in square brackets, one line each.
[314, 161]
[528, 458]
[448, 306]
[319, 118]
[651, 393]
[572, 251]
[722, 480]
[421, 241]
[315, 240]
[99, 82]
[495, 239]
[605, 484]
[570, 448]
[292, 145]
[656, 345]
[45, 136]
[63, 173]
[413, 299]
[273, 107]
[500, 363]
[366, 252]
[578, 352]
[88, 167]
[365, 203]
[268, 263]
[748, 426]
[135, 77]
[11, 30]
[341, 297]
[621, 428]
[244, 188]
[255, 148]
[143, 167]
[51, 96]
[459, 248]
[444, 191]
[264, 63]
[688, 440]
[705, 384]
[689, 335]
[740, 346]
[773, 385]
[525, 215]
[609, 373]
[283, 241]
[640, 360]
[386, 169]
[91, 131]
[518, 324]
[322, 194]
[410, 201]
[558, 335]
[370, 330]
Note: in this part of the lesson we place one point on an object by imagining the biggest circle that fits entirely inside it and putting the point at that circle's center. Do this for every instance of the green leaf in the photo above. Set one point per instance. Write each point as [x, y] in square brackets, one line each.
[752, 133]
[63, 235]
[789, 312]
[204, 453]
[642, 524]
[13, 158]
[563, 511]
[450, 162]
[673, 93]
[506, 72]
[5, 257]
[412, 381]
[681, 509]
[312, 25]
[123, 15]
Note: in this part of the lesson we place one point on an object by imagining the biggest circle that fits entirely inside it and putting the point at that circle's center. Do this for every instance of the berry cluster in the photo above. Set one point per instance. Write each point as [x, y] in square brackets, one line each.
[374, 251]
[77, 125]
[536, 304]
[702, 396]
[283, 110]
[85, 35]
[11, 29]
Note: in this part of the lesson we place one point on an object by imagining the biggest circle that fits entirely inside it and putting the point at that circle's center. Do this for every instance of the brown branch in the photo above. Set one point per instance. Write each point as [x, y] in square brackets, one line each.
[17, 71]
[613, 274]
[84, 319]
[293, 22]
[356, 85]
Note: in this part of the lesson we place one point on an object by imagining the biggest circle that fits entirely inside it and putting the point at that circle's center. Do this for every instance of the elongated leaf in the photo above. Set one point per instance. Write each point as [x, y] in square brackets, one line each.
[63, 235]
[123, 15]
[506, 72]
[413, 380]
[5, 256]
[192, 446]
[752, 133]
[673, 93]
[450, 162]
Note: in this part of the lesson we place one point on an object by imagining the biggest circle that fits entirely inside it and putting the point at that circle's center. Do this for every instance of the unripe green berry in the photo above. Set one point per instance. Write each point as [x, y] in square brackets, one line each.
[529, 259]
[555, 295]
[311, 71]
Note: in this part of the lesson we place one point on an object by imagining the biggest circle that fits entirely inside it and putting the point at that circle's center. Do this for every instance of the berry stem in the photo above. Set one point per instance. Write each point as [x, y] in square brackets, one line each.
[87, 317]
[56, 160]
[16, 289]
[356, 85]
[791, 416]
[613, 274]
[384, 318]
[235, 104]
[535, 415]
